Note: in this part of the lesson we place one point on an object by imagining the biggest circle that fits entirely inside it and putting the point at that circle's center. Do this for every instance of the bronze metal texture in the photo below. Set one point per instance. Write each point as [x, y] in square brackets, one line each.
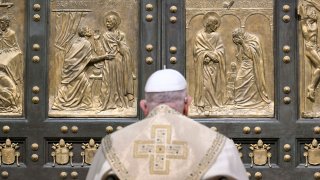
[218, 40]
[102, 81]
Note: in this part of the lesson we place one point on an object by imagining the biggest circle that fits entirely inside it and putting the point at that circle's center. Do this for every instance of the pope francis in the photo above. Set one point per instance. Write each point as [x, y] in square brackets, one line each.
[167, 145]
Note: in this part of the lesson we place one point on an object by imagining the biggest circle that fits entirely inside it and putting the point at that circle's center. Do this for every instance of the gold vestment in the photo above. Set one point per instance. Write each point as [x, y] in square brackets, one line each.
[167, 145]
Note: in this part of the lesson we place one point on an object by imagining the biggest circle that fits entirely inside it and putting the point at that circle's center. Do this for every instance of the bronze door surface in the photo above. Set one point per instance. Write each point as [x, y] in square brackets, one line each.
[74, 71]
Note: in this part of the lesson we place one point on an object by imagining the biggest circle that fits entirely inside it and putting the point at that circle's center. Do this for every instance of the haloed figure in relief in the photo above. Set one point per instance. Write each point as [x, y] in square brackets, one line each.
[117, 89]
[10, 68]
[309, 28]
[250, 85]
[75, 89]
[209, 58]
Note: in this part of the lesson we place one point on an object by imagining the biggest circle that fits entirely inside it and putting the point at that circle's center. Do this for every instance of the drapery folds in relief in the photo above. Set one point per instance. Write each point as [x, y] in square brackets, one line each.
[209, 60]
[75, 89]
[228, 78]
[66, 28]
[74, 86]
[117, 87]
[11, 64]
[250, 85]
[93, 75]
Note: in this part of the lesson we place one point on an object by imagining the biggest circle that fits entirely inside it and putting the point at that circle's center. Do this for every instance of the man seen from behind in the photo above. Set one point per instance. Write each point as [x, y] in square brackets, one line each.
[167, 144]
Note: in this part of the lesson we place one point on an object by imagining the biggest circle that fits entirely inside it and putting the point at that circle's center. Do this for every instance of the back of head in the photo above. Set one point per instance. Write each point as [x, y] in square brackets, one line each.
[238, 32]
[84, 31]
[166, 86]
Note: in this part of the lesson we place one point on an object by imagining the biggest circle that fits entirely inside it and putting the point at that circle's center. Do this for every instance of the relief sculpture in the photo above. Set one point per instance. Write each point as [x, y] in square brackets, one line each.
[75, 89]
[250, 86]
[260, 155]
[94, 68]
[11, 65]
[9, 154]
[228, 43]
[90, 150]
[62, 153]
[209, 57]
[312, 153]
[309, 53]
[117, 75]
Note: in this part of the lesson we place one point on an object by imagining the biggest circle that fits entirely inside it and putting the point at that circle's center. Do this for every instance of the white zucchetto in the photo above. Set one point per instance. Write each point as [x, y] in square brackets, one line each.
[165, 80]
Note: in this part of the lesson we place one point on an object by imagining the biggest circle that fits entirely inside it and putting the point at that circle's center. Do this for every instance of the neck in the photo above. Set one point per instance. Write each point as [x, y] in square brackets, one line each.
[171, 105]
[112, 29]
[208, 31]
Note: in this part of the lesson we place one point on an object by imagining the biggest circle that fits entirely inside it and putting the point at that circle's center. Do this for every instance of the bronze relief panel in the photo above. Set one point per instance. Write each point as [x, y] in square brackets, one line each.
[62, 153]
[309, 11]
[312, 153]
[93, 58]
[12, 46]
[8, 153]
[230, 63]
[309, 152]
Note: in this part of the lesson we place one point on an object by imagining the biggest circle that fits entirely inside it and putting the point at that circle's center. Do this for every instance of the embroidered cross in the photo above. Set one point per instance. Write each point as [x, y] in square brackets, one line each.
[160, 149]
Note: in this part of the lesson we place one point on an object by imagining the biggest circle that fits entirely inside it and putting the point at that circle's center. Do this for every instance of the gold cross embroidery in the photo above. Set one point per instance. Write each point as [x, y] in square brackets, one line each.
[160, 150]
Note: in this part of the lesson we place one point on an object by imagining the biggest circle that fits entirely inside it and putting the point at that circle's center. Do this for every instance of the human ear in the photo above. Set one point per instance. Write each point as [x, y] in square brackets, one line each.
[144, 107]
[187, 103]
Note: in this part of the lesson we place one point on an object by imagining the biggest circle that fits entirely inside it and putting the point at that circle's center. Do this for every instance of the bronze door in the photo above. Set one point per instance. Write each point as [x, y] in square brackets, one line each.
[74, 70]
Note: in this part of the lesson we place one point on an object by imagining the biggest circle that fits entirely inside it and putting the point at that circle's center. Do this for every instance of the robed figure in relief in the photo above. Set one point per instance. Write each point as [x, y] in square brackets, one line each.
[74, 92]
[209, 57]
[10, 67]
[118, 74]
[250, 84]
[75, 89]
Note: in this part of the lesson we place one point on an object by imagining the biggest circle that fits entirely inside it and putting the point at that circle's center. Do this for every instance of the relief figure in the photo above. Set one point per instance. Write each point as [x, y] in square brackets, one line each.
[309, 28]
[118, 76]
[231, 79]
[10, 67]
[75, 89]
[209, 58]
[229, 58]
[250, 85]
[98, 76]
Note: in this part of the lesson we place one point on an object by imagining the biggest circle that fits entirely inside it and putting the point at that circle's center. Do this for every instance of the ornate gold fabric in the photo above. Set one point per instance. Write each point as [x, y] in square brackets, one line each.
[113, 159]
[160, 150]
[166, 145]
[208, 159]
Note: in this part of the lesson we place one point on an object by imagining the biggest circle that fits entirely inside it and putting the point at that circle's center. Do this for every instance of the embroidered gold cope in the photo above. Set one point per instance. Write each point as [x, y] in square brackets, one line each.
[166, 145]
[160, 150]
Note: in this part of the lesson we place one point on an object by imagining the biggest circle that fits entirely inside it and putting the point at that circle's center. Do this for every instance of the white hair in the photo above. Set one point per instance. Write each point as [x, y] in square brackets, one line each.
[174, 99]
